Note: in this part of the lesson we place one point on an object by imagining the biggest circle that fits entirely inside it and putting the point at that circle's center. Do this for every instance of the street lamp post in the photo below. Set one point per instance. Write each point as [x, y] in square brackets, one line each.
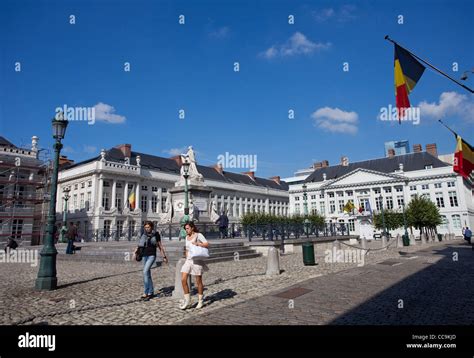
[405, 221]
[185, 218]
[46, 279]
[305, 205]
[64, 228]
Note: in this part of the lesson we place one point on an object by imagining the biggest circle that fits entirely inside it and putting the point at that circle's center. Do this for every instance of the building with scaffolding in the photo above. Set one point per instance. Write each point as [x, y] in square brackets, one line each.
[24, 192]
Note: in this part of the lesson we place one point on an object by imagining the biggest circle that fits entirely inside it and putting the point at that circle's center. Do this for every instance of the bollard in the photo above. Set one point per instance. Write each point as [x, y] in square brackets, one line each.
[423, 239]
[273, 262]
[399, 241]
[412, 240]
[336, 245]
[363, 243]
[178, 292]
[384, 242]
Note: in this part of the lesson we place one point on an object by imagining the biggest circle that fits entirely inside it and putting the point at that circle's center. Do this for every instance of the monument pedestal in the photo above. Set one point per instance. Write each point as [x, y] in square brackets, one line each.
[199, 197]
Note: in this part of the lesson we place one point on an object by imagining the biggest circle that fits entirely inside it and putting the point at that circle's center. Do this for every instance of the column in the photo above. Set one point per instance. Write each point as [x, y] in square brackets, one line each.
[160, 196]
[241, 206]
[234, 211]
[267, 205]
[101, 190]
[137, 196]
[125, 196]
[114, 194]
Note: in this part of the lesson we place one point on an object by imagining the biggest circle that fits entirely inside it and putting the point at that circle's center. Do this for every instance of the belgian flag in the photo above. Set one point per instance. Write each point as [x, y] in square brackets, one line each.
[132, 199]
[463, 158]
[407, 73]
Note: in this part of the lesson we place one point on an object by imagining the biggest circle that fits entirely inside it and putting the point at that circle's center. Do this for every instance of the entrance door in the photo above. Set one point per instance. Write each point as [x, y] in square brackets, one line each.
[366, 229]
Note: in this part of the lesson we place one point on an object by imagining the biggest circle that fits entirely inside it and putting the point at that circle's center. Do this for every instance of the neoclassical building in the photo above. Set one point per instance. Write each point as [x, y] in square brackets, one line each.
[103, 188]
[390, 181]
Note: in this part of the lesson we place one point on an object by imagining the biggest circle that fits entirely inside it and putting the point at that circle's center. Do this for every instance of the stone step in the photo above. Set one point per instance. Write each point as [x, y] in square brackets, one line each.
[231, 258]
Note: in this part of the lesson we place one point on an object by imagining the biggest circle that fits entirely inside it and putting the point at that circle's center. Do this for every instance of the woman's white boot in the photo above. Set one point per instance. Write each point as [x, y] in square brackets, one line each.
[187, 301]
[200, 302]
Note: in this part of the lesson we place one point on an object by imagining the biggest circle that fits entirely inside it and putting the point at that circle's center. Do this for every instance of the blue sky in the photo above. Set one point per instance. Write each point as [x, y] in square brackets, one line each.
[191, 67]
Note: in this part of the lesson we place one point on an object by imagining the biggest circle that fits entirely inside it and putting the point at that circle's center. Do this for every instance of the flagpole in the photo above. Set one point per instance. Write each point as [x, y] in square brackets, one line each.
[430, 65]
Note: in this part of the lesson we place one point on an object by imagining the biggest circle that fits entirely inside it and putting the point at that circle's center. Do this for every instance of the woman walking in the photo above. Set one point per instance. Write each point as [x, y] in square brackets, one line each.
[149, 241]
[193, 267]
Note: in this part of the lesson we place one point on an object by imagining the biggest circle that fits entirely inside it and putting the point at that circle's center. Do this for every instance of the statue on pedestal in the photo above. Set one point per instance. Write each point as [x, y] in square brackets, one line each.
[193, 173]
[167, 215]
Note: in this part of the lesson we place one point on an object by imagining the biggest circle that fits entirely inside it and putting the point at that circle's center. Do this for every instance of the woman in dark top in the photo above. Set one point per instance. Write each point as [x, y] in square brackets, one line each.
[150, 240]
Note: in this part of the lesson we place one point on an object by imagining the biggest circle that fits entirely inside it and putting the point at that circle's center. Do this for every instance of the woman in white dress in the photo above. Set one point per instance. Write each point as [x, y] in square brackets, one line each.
[193, 267]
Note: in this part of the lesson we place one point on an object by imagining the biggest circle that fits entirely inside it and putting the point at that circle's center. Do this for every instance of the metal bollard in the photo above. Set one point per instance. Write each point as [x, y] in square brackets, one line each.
[273, 262]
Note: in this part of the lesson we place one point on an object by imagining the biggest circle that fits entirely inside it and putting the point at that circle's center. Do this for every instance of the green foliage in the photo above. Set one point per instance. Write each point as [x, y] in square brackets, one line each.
[393, 220]
[422, 213]
[250, 219]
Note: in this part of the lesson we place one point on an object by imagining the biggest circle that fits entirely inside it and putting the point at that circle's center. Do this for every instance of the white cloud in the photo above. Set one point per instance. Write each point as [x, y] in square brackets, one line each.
[176, 151]
[297, 44]
[105, 112]
[220, 33]
[343, 14]
[336, 120]
[89, 149]
[450, 104]
[68, 149]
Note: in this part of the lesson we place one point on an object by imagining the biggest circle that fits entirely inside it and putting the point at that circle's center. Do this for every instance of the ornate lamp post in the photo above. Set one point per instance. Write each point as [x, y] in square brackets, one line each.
[46, 279]
[185, 218]
[383, 217]
[64, 228]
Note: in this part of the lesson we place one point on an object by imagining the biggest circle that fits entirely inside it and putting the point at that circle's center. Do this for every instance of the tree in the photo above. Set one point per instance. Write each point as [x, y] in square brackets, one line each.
[423, 215]
[393, 220]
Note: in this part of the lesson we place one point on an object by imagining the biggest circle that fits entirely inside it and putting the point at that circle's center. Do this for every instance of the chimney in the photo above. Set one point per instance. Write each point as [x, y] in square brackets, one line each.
[391, 153]
[325, 163]
[63, 160]
[276, 179]
[417, 148]
[34, 143]
[126, 150]
[324, 176]
[431, 148]
[400, 167]
[218, 168]
[250, 174]
[177, 159]
[344, 161]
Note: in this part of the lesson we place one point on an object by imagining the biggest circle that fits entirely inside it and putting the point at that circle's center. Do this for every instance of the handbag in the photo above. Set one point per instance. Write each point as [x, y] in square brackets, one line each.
[198, 252]
[140, 251]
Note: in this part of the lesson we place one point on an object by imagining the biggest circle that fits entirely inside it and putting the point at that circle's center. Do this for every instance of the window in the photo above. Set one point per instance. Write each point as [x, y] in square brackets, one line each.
[154, 203]
[17, 228]
[322, 208]
[118, 201]
[437, 185]
[82, 201]
[144, 188]
[351, 225]
[163, 204]
[364, 204]
[350, 193]
[143, 203]
[453, 198]
[428, 166]
[119, 227]
[412, 187]
[89, 183]
[400, 201]
[389, 203]
[451, 184]
[341, 206]
[331, 195]
[332, 207]
[83, 185]
[2, 189]
[119, 185]
[376, 190]
[439, 200]
[76, 186]
[378, 203]
[106, 201]
[89, 199]
[154, 189]
[297, 198]
[106, 184]
[388, 190]
[340, 193]
[164, 190]
[74, 202]
[456, 221]
[444, 222]
[107, 228]
[425, 187]
[321, 196]
[399, 189]
[313, 197]
[130, 186]
[297, 208]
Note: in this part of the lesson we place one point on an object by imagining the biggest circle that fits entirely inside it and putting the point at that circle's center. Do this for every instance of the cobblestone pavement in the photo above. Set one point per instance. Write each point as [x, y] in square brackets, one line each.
[433, 286]
[100, 293]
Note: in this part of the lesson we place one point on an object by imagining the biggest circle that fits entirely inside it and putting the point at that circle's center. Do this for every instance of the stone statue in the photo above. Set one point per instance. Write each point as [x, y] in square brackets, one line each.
[193, 172]
[167, 215]
[213, 211]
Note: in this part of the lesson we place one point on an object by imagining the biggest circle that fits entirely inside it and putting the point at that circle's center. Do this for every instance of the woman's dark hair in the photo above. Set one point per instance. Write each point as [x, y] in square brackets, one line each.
[149, 223]
[192, 225]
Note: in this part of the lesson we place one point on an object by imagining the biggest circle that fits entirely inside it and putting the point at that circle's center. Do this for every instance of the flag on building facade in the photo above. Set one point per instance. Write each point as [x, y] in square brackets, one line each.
[463, 158]
[131, 199]
[349, 207]
[408, 71]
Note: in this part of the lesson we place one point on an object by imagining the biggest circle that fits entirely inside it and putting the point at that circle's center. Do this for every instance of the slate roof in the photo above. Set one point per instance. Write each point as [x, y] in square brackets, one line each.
[411, 162]
[5, 142]
[168, 165]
